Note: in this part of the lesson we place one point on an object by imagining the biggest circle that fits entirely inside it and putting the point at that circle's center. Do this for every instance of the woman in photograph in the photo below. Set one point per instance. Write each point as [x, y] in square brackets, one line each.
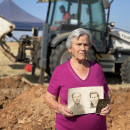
[76, 72]
[94, 97]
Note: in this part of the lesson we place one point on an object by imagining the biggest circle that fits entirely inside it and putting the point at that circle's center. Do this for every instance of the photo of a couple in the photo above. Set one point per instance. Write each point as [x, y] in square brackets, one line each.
[84, 100]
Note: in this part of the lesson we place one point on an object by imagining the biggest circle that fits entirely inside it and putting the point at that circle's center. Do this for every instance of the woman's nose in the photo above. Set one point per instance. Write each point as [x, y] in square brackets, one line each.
[82, 47]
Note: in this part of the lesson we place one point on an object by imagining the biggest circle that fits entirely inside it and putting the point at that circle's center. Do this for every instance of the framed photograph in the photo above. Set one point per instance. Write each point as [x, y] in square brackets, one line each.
[84, 100]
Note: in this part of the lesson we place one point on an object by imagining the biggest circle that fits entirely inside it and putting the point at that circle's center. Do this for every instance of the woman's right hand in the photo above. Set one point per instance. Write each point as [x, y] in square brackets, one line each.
[63, 109]
[57, 107]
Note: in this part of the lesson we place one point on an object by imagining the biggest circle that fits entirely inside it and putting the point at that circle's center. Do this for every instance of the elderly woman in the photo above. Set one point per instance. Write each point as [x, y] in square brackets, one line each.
[76, 72]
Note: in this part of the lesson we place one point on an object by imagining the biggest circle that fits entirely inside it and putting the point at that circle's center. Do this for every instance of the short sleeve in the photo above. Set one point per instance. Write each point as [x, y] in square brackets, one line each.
[54, 84]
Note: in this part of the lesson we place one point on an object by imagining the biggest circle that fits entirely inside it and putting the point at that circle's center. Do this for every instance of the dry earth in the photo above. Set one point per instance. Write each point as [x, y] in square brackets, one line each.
[22, 105]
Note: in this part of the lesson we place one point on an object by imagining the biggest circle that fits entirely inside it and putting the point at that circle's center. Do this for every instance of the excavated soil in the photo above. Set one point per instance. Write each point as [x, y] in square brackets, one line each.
[22, 105]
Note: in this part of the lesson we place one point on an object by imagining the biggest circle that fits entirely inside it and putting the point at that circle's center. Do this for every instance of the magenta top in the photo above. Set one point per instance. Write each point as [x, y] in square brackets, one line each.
[63, 78]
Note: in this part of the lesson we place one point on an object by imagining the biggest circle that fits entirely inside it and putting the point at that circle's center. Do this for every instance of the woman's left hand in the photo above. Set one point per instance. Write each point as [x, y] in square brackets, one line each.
[105, 111]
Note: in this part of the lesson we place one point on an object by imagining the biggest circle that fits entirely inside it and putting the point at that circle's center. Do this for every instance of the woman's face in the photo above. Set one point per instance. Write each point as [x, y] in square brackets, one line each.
[80, 48]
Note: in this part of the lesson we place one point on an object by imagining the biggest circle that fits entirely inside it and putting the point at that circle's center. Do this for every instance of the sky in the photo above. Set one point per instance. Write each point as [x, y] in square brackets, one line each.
[119, 13]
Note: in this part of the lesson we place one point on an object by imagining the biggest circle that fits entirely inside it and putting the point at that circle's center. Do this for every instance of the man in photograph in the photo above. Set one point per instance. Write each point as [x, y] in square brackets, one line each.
[94, 97]
[77, 108]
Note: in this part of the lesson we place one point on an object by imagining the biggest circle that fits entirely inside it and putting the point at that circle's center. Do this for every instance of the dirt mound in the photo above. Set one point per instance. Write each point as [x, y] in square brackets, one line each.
[119, 118]
[22, 106]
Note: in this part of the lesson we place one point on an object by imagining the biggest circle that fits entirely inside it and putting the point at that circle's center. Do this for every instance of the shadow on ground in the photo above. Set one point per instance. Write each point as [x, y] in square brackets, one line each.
[35, 79]
[17, 66]
[113, 78]
[110, 77]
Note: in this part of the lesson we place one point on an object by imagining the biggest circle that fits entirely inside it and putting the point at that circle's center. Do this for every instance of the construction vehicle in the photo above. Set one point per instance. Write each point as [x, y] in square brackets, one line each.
[111, 47]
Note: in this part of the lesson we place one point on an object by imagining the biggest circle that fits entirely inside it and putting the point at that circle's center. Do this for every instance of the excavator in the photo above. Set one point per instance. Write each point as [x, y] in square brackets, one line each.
[111, 46]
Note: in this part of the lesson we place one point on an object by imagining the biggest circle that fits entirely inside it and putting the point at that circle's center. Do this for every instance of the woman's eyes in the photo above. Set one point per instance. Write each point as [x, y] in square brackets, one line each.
[86, 44]
[83, 44]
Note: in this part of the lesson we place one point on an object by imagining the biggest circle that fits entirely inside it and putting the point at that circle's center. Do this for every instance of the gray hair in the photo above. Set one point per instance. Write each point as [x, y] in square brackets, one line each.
[77, 33]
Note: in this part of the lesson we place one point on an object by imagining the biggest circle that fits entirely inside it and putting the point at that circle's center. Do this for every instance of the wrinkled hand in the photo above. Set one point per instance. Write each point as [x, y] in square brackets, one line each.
[63, 109]
[105, 111]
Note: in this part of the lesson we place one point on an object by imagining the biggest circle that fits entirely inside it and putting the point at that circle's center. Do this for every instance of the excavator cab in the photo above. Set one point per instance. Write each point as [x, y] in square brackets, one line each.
[85, 13]
[63, 16]
[89, 14]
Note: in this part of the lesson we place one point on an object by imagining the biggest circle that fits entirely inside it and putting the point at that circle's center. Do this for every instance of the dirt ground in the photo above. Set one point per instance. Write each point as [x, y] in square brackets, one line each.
[22, 105]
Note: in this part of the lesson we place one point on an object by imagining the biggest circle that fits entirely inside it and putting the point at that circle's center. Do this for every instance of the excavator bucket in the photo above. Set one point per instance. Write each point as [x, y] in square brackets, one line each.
[5, 28]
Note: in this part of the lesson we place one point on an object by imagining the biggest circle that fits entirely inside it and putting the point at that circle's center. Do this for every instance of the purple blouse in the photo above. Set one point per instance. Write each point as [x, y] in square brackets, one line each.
[64, 78]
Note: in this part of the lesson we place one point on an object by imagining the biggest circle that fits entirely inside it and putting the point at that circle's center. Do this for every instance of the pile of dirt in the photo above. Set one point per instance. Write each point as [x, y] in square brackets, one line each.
[22, 106]
[119, 118]
[22, 103]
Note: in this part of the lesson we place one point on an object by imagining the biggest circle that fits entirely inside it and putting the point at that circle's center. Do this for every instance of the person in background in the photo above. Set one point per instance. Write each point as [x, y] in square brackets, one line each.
[74, 73]
[66, 16]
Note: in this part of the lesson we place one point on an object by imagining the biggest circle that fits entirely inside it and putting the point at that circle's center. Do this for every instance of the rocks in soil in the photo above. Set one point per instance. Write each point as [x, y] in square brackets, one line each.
[22, 107]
